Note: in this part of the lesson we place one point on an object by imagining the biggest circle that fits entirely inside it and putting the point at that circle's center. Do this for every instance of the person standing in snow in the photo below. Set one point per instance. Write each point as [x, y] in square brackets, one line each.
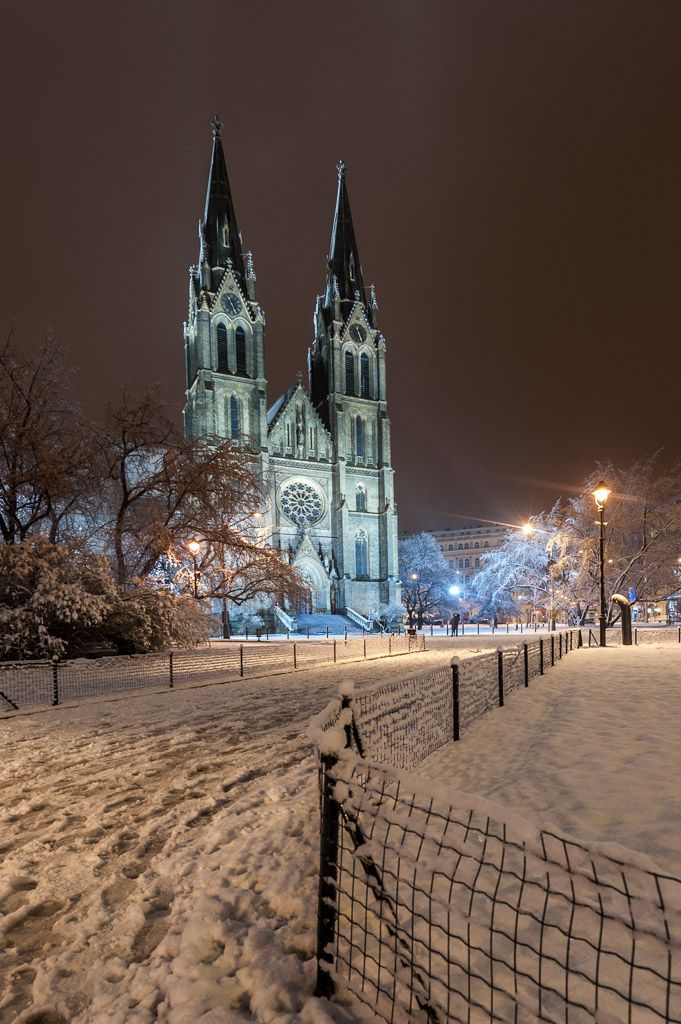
[454, 623]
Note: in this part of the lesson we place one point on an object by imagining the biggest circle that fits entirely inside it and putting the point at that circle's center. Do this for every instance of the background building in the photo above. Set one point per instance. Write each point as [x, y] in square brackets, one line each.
[324, 452]
[463, 549]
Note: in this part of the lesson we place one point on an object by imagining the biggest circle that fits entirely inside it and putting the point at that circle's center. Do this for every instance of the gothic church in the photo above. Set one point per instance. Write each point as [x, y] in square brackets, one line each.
[324, 450]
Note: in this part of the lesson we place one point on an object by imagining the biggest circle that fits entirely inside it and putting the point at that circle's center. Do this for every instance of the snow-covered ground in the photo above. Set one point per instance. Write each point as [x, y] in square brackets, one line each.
[592, 748]
[158, 852]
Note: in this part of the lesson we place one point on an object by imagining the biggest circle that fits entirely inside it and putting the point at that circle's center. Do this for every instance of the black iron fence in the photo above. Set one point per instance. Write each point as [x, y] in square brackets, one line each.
[437, 907]
[55, 682]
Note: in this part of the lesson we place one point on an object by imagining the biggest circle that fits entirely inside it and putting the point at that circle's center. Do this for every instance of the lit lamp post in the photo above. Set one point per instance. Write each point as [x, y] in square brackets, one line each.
[195, 547]
[416, 576]
[601, 494]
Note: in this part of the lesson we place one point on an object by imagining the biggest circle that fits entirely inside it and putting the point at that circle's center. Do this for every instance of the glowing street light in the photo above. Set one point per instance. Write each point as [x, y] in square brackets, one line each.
[527, 529]
[601, 494]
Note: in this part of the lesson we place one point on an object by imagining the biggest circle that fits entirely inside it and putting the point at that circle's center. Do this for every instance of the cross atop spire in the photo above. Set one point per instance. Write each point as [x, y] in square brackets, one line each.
[217, 126]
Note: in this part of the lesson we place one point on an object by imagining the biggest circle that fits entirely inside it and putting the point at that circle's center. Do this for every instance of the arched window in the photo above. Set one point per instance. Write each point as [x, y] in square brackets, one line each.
[234, 416]
[223, 365]
[451, 547]
[361, 499]
[364, 375]
[467, 563]
[361, 554]
[240, 351]
[466, 546]
[349, 373]
[359, 437]
[461, 563]
[460, 547]
[486, 543]
[451, 564]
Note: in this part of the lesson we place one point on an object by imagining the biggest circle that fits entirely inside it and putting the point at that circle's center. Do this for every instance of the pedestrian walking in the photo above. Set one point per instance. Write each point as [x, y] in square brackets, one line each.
[454, 623]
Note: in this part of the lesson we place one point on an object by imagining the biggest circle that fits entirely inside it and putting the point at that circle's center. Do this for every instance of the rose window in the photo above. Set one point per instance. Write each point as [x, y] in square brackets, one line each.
[301, 503]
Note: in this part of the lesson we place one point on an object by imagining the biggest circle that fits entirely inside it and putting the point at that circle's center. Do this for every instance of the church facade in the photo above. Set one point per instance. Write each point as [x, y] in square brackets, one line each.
[323, 448]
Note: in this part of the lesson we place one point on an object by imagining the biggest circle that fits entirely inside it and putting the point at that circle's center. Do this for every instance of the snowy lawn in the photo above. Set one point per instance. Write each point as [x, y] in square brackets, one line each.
[159, 851]
[593, 748]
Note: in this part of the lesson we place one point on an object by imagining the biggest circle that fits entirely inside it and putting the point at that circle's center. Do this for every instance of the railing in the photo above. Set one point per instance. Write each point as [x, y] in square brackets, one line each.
[359, 620]
[435, 906]
[287, 621]
[54, 682]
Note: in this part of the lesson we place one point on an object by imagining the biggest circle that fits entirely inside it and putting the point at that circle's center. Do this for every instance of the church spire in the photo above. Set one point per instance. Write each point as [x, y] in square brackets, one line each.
[221, 242]
[344, 276]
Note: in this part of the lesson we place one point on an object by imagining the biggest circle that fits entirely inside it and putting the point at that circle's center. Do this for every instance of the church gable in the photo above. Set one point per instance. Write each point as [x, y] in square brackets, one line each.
[231, 300]
[358, 318]
[296, 430]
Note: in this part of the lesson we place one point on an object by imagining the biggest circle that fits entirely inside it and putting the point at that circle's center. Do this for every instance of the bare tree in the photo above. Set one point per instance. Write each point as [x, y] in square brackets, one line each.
[160, 493]
[424, 576]
[44, 450]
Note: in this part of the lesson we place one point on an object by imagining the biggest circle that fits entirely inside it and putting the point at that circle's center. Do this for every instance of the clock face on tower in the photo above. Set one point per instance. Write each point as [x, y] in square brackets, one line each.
[358, 334]
[230, 302]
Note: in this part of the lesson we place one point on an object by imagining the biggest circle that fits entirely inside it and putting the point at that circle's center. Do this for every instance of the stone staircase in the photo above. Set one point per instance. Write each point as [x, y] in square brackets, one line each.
[317, 624]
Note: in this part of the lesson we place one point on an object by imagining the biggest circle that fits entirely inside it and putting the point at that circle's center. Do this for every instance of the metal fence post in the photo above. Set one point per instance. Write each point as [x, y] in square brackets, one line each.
[241, 659]
[327, 897]
[170, 669]
[295, 658]
[365, 645]
[635, 636]
[334, 652]
[55, 682]
[455, 701]
[541, 656]
[526, 660]
[552, 650]
[560, 646]
[390, 644]
[500, 662]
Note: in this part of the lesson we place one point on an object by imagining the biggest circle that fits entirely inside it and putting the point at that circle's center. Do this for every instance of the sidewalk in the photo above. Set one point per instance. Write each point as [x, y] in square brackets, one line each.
[591, 748]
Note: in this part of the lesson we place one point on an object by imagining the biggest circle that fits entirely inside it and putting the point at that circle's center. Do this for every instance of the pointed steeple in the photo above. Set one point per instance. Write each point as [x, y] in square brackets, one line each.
[221, 242]
[344, 276]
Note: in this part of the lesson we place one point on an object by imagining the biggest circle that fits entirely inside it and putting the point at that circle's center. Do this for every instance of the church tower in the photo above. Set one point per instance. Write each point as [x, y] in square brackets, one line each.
[347, 371]
[224, 334]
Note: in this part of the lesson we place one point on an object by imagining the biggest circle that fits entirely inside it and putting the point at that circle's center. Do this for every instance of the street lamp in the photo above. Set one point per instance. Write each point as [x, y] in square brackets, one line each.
[195, 547]
[601, 494]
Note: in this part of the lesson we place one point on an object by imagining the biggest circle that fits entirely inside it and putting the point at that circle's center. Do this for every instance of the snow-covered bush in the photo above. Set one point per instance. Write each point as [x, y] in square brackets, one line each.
[149, 618]
[54, 601]
[388, 616]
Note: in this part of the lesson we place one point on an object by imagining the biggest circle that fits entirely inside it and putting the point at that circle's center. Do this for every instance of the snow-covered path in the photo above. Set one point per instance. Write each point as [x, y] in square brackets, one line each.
[159, 853]
[593, 747]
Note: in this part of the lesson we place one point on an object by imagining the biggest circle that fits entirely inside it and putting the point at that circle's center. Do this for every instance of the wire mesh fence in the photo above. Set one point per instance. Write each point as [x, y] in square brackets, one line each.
[435, 906]
[445, 912]
[25, 684]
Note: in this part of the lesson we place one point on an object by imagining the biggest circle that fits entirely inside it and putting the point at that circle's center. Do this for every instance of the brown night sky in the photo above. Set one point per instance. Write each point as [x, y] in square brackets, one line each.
[514, 169]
